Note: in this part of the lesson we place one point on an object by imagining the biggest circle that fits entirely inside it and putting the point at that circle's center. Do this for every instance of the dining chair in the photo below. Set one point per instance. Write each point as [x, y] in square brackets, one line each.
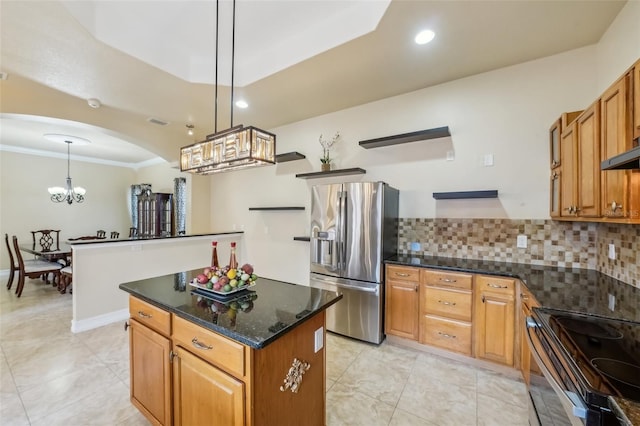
[133, 232]
[66, 277]
[12, 267]
[101, 234]
[115, 234]
[34, 268]
[47, 238]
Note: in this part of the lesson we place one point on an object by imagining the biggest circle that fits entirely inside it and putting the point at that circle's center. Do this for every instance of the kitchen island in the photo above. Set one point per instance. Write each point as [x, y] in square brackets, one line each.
[254, 358]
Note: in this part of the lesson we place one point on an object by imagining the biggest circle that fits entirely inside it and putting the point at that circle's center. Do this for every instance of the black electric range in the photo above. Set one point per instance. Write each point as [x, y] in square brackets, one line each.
[593, 358]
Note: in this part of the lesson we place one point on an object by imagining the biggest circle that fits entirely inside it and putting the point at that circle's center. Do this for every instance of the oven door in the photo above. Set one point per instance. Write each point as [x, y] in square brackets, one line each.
[552, 401]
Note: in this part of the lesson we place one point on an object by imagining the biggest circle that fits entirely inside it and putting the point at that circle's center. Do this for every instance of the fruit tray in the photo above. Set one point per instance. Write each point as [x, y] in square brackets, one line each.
[203, 287]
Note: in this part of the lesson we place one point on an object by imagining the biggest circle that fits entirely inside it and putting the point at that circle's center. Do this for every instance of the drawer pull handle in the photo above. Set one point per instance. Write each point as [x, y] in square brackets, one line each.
[200, 345]
[447, 303]
[144, 315]
[448, 336]
[401, 274]
[448, 280]
[497, 285]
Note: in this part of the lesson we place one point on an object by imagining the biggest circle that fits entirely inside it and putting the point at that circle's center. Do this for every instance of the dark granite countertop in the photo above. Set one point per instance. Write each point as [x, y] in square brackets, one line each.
[255, 317]
[575, 290]
[627, 411]
[118, 240]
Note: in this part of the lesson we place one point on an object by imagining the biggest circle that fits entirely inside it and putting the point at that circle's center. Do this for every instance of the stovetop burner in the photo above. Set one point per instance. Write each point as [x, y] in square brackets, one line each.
[621, 371]
[589, 328]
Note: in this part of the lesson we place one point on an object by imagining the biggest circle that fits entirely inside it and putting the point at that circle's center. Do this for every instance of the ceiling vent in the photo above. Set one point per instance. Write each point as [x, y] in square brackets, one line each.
[157, 121]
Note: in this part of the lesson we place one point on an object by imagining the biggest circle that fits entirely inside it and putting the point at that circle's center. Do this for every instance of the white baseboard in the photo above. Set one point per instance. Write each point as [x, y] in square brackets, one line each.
[99, 321]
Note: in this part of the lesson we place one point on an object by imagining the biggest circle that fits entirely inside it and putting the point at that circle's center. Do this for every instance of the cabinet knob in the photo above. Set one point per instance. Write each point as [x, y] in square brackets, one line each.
[144, 315]
[615, 206]
[401, 274]
[447, 280]
[496, 285]
[448, 336]
[126, 325]
[200, 345]
[447, 303]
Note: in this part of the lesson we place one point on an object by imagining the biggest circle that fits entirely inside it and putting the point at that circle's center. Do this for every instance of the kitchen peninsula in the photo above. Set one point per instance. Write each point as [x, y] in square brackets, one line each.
[254, 358]
[99, 266]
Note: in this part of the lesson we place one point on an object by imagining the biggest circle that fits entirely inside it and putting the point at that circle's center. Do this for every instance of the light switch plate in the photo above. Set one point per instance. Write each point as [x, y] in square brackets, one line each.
[612, 251]
[488, 160]
[319, 339]
[612, 302]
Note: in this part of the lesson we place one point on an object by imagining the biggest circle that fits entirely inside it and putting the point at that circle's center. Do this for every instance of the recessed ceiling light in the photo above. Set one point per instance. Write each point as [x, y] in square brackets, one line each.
[424, 37]
[242, 104]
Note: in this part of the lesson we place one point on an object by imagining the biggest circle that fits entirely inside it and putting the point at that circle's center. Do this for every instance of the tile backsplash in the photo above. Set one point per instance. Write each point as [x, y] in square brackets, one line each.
[550, 243]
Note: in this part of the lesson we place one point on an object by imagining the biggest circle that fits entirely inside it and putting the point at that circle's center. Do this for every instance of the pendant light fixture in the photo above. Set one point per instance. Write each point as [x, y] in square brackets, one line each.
[236, 148]
[68, 193]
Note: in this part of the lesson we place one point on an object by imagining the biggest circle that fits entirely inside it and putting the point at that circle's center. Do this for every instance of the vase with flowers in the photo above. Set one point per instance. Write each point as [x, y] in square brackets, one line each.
[326, 151]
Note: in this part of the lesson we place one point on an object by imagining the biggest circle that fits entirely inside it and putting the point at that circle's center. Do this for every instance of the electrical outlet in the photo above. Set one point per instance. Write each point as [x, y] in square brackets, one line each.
[416, 247]
[451, 156]
[612, 251]
[612, 302]
[521, 241]
[318, 339]
[488, 160]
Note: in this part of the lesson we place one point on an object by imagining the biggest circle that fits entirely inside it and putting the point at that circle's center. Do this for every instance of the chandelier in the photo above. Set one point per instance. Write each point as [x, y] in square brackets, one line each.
[232, 149]
[69, 193]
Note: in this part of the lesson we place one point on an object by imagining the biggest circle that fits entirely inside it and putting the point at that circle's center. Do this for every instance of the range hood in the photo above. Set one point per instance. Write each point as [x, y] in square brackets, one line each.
[625, 161]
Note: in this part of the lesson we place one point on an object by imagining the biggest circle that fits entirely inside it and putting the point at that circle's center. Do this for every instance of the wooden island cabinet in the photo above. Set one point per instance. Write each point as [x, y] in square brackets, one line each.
[402, 301]
[256, 359]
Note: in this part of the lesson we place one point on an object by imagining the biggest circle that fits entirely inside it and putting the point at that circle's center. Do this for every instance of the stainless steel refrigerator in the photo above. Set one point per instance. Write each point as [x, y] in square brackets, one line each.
[354, 227]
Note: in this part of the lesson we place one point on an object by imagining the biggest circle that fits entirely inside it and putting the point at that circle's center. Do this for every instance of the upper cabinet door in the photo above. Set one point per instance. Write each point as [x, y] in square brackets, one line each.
[615, 139]
[568, 178]
[588, 162]
[554, 143]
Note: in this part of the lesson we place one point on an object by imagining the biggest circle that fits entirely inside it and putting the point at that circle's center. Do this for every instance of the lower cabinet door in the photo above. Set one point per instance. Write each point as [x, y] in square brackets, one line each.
[150, 373]
[446, 333]
[495, 317]
[203, 394]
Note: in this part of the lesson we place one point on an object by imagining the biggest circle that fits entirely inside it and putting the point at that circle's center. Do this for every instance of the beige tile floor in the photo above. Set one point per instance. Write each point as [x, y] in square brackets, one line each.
[50, 376]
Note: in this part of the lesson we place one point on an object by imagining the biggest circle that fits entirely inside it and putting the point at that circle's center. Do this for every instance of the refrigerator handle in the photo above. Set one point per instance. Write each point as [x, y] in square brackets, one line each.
[342, 252]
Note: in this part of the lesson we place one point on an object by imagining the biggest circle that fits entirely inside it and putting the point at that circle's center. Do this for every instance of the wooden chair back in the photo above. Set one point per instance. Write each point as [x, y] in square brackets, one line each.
[115, 234]
[101, 234]
[37, 268]
[13, 268]
[133, 232]
[49, 239]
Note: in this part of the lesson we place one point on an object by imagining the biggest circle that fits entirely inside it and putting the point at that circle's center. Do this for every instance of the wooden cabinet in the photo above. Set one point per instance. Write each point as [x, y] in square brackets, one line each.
[579, 174]
[402, 301]
[494, 319]
[616, 138]
[184, 374]
[155, 214]
[527, 363]
[445, 310]
[555, 134]
[149, 352]
[202, 392]
[567, 175]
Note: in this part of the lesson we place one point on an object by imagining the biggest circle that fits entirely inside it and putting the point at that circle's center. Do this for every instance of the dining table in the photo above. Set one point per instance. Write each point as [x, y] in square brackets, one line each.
[62, 251]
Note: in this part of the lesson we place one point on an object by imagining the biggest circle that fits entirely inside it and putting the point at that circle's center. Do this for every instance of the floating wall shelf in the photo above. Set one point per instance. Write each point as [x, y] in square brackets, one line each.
[340, 172]
[465, 194]
[289, 156]
[421, 135]
[275, 208]
[301, 239]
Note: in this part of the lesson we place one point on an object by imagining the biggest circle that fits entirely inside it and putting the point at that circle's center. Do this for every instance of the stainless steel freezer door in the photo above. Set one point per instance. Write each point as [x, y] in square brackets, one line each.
[325, 237]
[359, 313]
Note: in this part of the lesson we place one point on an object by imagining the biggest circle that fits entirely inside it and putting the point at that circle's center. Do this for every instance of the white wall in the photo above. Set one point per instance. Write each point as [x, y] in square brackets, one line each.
[506, 113]
[619, 47]
[25, 204]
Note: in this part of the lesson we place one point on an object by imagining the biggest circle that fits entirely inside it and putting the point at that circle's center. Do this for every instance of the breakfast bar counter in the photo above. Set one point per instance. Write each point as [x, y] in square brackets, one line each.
[254, 357]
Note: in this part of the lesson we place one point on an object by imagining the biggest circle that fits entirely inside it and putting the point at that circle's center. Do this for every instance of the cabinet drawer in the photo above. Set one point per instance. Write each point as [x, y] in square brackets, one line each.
[210, 346]
[446, 303]
[495, 284]
[150, 315]
[446, 279]
[446, 334]
[403, 273]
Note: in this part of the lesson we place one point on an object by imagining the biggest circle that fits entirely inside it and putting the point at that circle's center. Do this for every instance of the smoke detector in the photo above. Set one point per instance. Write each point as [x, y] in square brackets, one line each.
[94, 103]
